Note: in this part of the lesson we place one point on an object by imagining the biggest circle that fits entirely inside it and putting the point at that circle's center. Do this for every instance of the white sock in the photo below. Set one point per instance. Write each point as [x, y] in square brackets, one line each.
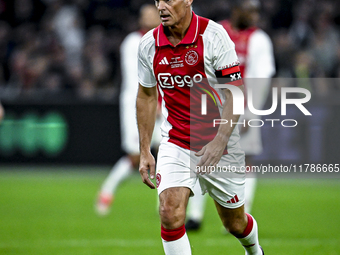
[196, 205]
[119, 172]
[249, 194]
[174, 246]
[250, 241]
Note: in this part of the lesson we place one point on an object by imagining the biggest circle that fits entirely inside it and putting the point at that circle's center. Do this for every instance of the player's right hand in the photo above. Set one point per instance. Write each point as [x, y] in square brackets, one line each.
[147, 163]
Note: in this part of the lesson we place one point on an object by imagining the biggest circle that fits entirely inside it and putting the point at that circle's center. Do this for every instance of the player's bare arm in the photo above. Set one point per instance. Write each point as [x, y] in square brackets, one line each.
[146, 115]
[213, 151]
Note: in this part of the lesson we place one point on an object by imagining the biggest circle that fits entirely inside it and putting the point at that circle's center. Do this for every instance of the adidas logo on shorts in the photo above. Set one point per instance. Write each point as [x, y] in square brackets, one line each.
[233, 200]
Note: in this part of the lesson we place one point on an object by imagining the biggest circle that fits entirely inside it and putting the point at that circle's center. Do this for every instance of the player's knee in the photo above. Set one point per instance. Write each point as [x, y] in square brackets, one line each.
[171, 216]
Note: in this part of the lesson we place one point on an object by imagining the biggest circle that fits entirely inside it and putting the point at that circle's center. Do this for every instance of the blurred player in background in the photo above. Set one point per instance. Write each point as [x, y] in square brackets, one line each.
[148, 19]
[2, 112]
[255, 51]
[183, 58]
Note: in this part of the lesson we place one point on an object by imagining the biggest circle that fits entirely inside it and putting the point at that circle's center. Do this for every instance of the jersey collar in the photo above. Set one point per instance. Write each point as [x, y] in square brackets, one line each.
[189, 38]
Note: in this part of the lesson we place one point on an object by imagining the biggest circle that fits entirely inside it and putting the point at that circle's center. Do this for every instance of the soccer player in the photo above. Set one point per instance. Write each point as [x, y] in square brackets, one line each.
[125, 166]
[255, 51]
[184, 56]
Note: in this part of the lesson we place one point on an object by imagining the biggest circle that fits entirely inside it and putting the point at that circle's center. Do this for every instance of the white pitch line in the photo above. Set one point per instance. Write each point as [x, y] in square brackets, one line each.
[155, 243]
[81, 243]
[281, 241]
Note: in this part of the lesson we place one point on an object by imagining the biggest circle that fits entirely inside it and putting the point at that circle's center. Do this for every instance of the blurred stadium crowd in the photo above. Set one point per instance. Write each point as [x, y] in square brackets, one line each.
[72, 46]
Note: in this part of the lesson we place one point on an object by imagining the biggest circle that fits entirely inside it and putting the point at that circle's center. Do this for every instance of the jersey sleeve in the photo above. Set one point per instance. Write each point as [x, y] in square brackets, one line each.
[226, 63]
[146, 75]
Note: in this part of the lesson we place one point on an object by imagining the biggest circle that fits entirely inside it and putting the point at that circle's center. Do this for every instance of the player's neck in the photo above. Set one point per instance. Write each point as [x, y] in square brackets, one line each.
[176, 33]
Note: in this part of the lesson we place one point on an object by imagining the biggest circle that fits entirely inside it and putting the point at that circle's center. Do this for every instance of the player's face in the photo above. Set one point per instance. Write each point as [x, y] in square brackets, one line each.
[172, 12]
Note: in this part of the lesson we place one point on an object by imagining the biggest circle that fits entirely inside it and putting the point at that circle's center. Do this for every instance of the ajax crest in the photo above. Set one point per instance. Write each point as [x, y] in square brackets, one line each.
[158, 179]
[191, 58]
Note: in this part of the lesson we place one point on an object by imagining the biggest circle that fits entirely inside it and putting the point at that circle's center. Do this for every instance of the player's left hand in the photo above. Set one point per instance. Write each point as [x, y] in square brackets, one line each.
[211, 154]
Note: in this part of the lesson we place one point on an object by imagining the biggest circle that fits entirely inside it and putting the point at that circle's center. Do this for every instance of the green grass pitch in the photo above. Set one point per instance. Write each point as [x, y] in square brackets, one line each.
[50, 211]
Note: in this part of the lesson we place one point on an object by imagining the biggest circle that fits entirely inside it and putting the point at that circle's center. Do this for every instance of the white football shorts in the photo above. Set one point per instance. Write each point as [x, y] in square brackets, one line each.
[176, 167]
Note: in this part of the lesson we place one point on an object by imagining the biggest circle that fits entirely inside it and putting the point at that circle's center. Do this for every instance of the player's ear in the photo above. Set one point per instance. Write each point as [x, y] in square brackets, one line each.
[188, 3]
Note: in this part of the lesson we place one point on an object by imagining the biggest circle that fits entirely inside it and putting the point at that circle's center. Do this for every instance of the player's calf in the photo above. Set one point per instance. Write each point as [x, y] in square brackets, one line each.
[242, 226]
[249, 237]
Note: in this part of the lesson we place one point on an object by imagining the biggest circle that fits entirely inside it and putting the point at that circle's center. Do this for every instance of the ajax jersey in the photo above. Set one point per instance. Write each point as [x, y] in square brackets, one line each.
[183, 73]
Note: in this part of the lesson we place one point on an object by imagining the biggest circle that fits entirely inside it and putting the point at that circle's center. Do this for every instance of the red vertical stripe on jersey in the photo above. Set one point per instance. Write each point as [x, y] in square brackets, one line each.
[236, 198]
